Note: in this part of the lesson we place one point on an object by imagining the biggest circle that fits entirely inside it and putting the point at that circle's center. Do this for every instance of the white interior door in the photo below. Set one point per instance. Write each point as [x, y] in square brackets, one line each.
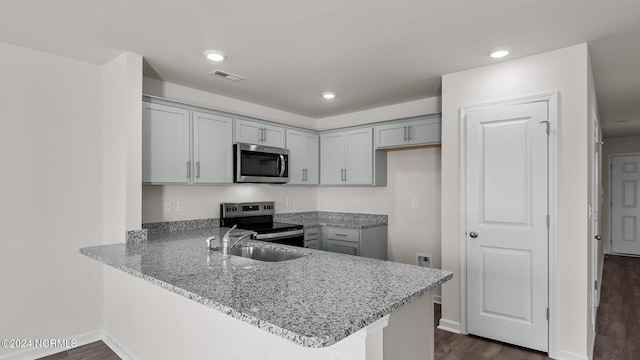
[625, 197]
[507, 229]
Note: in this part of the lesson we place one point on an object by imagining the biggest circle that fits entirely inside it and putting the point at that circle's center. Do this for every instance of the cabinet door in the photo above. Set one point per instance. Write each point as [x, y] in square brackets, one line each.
[258, 133]
[391, 135]
[165, 144]
[248, 132]
[331, 158]
[312, 159]
[343, 247]
[359, 156]
[427, 131]
[297, 156]
[273, 136]
[212, 148]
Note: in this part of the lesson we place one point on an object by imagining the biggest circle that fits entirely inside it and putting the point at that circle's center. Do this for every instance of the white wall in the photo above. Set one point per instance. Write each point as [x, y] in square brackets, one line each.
[121, 146]
[203, 202]
[565, 71]
[411, 174]
[51, 154]
[614, 145]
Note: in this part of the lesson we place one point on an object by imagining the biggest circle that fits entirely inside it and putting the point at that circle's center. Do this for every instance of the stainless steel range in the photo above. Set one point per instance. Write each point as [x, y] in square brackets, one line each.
[258, 217]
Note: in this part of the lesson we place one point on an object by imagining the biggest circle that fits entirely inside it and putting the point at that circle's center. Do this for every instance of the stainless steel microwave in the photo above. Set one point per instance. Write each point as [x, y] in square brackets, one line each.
[260, 164]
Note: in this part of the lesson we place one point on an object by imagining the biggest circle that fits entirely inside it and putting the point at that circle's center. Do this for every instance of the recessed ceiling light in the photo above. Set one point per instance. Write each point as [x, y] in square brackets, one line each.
[328, 95]
[500, 53]
[214, 55]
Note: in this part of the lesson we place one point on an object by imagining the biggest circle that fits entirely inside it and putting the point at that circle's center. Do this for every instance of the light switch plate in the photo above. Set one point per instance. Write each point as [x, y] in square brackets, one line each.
[415, 204]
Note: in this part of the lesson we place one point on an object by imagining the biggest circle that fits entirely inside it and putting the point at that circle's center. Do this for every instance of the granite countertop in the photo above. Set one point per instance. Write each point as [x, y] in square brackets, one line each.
[314, 301]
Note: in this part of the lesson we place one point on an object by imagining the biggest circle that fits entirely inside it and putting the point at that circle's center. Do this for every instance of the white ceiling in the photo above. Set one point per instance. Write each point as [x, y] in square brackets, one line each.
[370, 52]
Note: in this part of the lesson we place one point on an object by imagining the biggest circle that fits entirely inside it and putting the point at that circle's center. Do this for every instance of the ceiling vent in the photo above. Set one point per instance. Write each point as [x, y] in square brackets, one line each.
[227, 75]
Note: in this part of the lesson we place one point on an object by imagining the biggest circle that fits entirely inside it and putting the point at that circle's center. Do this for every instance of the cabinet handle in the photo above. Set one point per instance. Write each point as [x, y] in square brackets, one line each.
[345, 175]
[188, 169]
[341, 174]
[345, 235]
[198, 169]
[264, 134]
[409, 132]
[405, 133]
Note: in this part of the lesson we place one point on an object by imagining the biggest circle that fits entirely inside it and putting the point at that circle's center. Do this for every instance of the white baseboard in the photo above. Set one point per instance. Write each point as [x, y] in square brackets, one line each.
[448, 325]
[34, 353]
[568, 355]
[116, 347]
[437, 299]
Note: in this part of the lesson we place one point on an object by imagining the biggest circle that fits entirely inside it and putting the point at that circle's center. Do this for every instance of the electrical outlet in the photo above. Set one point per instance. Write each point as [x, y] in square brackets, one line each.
[287, 202]
[424, 260]
[167, 206]
[415, 204]
[179, 205]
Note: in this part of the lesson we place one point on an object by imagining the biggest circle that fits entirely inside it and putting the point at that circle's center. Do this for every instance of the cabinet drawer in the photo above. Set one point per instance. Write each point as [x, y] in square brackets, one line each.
[311, 233]
[311, 244]
[342, 234]
[343, 247]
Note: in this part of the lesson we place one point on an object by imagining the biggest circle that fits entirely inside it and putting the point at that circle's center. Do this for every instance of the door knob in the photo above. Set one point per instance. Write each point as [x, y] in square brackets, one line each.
[473, 234]
[598, 237]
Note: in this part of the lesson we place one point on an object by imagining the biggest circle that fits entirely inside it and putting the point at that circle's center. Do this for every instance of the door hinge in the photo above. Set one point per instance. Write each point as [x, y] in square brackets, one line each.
[547, 313]
[596, 284]
[548, 221]
[547, 125]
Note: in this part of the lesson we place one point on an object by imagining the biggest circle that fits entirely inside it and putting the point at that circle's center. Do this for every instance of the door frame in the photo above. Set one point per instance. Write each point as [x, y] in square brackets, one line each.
[552, 99]
[610, 201]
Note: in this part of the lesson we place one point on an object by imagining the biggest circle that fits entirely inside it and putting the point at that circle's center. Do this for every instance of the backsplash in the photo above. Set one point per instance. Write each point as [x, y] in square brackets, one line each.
[181, 225]
[306, 217]
[322, 216]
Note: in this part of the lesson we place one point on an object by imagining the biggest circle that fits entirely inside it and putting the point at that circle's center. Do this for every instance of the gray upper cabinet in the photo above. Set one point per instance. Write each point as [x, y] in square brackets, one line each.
[304, 163]
[253, 132]
[212, 148]
[348, 158]
[165, 144]
[419, 131]
[180, 146]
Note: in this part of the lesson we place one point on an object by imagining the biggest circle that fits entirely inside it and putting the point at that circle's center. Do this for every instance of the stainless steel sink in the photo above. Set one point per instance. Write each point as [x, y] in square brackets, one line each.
[263, 254]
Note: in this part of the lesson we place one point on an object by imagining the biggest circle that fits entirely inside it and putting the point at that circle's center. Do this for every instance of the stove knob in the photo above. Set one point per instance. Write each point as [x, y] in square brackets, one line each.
[228, 209]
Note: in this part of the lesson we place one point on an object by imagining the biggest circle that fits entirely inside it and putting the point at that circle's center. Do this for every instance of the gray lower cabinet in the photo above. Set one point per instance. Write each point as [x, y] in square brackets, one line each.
[312, 238]
[369, 242]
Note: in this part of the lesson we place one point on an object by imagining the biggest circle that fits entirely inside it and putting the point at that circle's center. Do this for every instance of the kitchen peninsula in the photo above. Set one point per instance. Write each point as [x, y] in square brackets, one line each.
[319, 306]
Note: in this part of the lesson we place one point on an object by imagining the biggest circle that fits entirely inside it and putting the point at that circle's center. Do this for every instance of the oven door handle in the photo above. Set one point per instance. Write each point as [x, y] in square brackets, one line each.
[283, 234]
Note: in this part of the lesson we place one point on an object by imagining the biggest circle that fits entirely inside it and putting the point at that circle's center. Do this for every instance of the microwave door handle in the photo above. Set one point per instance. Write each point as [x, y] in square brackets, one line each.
[282, 165]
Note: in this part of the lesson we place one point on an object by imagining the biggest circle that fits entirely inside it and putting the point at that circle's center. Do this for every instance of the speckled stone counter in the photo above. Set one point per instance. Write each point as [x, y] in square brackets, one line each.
[337, 219]
[314, 301]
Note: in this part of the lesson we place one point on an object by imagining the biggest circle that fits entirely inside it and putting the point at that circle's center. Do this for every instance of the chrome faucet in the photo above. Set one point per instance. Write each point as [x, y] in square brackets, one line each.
[225, 241]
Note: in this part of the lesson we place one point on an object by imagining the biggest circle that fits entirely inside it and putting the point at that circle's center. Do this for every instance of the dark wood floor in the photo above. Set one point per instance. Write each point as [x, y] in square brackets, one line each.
[450, 346]
[617, 328]
[94, 351]
[618, 322]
